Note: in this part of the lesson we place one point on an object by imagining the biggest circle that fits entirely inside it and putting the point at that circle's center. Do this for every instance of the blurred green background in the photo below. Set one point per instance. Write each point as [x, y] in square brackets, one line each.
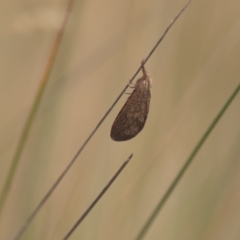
[194, 71]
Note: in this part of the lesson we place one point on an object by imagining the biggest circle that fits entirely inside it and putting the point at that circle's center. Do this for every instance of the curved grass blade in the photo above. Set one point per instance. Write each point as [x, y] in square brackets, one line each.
[31, 117]
[185, 166]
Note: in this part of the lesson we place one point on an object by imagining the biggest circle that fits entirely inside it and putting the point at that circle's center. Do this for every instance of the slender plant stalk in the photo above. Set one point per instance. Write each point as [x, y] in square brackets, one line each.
[32, 115]
[88, 210]
[190, 159]
[70, 164]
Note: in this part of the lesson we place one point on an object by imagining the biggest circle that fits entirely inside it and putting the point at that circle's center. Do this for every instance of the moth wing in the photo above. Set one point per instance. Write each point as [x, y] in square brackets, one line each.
[132, 117]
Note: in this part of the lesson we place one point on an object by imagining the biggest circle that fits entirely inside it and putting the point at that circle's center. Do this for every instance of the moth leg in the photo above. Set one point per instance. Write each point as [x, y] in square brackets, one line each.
[131, 85]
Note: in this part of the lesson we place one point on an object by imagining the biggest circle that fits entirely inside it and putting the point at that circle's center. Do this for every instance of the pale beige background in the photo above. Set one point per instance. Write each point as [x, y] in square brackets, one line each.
[194, 71]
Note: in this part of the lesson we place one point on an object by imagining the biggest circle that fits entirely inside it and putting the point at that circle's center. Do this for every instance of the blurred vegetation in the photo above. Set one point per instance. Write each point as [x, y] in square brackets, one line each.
[194, 71]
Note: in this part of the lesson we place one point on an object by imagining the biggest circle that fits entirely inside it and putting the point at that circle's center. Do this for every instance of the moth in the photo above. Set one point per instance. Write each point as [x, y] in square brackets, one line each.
[133, 115]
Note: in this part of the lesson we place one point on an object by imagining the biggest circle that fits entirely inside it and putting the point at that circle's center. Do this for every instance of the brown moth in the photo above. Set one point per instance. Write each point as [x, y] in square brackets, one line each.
[132, 117]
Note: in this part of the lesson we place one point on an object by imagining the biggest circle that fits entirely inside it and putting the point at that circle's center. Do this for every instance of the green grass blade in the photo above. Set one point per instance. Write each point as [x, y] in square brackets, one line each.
[32, 115]
[185, 166]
